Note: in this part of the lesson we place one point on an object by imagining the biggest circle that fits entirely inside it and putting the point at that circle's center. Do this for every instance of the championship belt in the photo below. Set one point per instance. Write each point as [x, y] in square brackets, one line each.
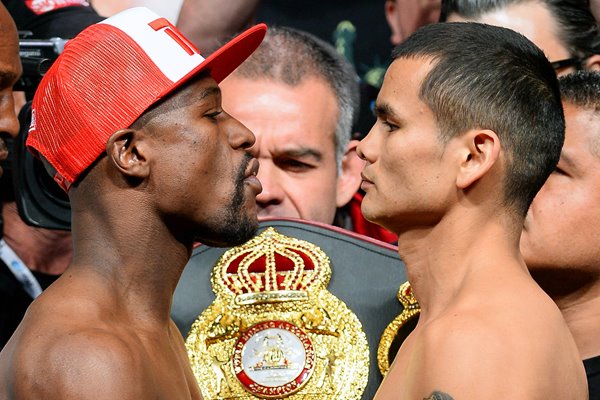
[398, 329]
[274, 331]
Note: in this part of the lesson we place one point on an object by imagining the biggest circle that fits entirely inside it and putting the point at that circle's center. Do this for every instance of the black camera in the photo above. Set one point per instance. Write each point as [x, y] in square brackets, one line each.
[37, 55]
[40, 201]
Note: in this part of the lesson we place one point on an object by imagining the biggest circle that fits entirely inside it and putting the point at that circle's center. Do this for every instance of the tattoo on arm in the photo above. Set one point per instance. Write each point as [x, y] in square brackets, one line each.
[437, 395]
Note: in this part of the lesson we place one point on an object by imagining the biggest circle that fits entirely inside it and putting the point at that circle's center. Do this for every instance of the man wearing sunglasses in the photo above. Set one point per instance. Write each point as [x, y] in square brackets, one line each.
[564, 29]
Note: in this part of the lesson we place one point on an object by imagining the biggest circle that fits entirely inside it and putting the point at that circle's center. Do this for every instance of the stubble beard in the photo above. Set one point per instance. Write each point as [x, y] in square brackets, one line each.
[238, 226]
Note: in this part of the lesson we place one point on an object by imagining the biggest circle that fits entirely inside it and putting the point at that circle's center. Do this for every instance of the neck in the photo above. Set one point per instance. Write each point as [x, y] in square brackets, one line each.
[42, 250]
[130, 256]
[579, 301]
[461, 248]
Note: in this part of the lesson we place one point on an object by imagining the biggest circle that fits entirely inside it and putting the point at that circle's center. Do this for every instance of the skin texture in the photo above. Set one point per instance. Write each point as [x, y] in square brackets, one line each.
[10, 71]
[563, 222]
[534, 21]
[406, 16]
[165, 182]
[460, 247]
[294, 128]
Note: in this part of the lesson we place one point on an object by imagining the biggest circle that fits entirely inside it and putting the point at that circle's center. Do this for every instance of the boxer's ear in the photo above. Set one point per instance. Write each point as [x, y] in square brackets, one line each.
[126, 151]
[479, 153]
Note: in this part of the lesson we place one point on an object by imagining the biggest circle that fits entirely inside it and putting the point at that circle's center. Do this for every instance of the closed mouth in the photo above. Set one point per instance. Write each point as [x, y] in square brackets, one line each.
[252, 169]
[364, 178]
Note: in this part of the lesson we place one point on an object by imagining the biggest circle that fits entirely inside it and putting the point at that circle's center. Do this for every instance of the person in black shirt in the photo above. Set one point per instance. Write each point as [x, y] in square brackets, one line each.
[564, 29]
[32, 258]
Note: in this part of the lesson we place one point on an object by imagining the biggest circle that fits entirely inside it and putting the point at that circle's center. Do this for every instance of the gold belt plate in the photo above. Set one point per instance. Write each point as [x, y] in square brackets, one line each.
[274, 331]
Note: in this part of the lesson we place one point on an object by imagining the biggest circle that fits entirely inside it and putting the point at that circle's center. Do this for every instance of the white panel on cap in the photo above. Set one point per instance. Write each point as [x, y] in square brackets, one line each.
[165, 52]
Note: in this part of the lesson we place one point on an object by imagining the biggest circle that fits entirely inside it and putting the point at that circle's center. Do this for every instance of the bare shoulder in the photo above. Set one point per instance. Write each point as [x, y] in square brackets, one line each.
[69, 347]
[77, 364]
[461, 340]
[438, 361]
[479, 350]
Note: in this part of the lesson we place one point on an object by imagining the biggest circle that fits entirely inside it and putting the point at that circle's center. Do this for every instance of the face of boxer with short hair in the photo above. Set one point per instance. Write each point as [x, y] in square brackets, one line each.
[202, 173]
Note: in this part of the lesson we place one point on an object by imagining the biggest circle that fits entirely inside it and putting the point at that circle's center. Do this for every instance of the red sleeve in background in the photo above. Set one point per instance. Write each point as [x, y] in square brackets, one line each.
[364, 227]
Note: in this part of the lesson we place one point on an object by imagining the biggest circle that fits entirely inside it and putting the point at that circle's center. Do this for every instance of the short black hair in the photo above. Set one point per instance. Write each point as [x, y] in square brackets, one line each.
[582, 89]
[488, 77]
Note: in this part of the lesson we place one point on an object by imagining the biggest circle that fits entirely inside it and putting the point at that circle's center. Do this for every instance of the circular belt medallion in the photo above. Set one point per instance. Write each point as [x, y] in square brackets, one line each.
[273, 359]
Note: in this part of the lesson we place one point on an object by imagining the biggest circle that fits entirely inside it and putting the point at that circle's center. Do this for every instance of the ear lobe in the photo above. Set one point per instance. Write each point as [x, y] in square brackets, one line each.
[481, 150]
[349, 178]
[126, 153]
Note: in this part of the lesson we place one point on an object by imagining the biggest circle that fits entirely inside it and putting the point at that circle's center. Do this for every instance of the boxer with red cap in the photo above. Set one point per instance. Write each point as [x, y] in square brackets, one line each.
[128, 121]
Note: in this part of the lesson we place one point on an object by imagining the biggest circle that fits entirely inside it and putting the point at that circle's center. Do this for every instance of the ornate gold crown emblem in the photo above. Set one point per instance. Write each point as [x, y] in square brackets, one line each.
[271, 268]
[398, 329]
[274, 331]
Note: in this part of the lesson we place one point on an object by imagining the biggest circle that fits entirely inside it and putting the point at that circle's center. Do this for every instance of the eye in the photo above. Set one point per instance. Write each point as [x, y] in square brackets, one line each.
[558, 170]
[389, 126]
[293, 165]
[213, 115]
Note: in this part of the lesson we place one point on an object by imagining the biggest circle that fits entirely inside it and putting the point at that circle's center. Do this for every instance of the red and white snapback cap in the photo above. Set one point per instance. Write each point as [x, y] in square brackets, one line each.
[108, 75]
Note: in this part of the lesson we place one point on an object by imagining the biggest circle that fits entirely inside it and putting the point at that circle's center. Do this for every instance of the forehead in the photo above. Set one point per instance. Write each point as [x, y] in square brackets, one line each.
[200, 90]
[306, 111]
[265, 91]
[10, 63]
[402, 84]
[533, 20]
[582, 132]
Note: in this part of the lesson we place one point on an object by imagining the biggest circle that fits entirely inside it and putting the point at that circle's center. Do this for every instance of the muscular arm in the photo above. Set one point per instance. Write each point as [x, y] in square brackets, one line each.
[86, 365]
[208, 23]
